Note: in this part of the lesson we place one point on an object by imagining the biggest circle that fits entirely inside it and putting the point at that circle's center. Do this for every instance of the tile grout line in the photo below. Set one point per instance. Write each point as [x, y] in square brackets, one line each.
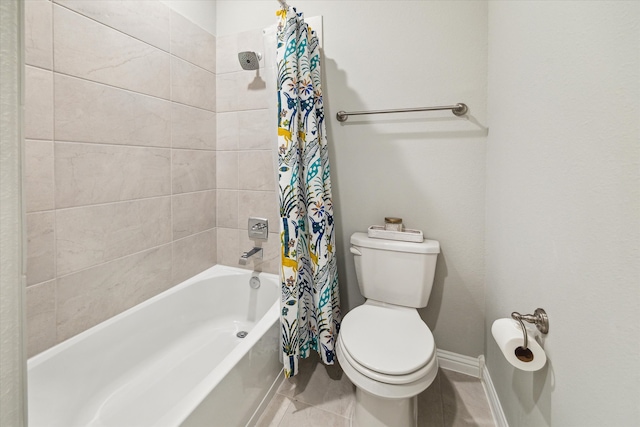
[130, 90]
[111, 144]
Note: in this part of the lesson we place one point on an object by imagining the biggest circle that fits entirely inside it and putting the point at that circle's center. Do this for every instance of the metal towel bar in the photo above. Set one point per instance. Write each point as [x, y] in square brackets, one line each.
[459, 109]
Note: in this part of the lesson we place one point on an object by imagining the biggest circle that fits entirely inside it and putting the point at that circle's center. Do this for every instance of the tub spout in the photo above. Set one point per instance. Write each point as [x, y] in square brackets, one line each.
[255, 252]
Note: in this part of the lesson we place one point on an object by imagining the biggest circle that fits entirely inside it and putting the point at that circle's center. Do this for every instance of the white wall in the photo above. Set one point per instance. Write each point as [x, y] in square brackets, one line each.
[427, 168]
[202, 12]
[232, 16]
[12, 358]
[563, 206]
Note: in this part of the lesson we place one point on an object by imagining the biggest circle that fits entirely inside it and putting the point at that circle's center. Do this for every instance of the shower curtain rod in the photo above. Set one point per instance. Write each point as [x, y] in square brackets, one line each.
[459, 109]
[284, 4]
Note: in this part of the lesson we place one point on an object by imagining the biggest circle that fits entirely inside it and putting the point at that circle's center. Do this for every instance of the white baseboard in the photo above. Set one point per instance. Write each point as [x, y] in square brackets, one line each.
[475, 367]
[492, 396]
[459, 363]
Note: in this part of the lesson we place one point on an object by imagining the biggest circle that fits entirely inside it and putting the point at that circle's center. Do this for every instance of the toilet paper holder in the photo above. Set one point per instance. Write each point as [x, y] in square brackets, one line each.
[539, 318]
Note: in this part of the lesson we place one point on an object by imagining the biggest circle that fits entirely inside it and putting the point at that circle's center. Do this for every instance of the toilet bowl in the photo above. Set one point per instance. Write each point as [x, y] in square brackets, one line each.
[388, 353]
[384, 347]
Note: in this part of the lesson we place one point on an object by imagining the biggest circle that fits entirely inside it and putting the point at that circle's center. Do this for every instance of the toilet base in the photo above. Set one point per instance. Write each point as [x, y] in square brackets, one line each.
[375, 411]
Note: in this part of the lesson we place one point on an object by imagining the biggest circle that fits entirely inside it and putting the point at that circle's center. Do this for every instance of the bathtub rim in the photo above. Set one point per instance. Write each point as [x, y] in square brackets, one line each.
[183, 408]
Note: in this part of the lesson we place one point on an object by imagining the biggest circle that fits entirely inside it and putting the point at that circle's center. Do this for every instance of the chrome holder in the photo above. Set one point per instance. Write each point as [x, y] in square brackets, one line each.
[538, 318]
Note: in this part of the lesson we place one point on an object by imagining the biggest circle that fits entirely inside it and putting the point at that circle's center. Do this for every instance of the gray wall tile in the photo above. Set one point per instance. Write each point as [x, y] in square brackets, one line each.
[192, 43]
[103, 135]
[256, 170]
[38, 111]
[192, 85]
[41, 317]
[93, 112]
[97, 173]
[41, 264]
[256, 130]
[144, 20]
[38, 175]
[227, 131]
[87, 49]
[227, 170]
[193, 213]
[263, 204]
[192, 128]
[228, 46]
[91, 296]
[227, 208]
[38, 33]
[91, 235]
[228, 246]
[193, 254]
[242, 90]
[193, 170]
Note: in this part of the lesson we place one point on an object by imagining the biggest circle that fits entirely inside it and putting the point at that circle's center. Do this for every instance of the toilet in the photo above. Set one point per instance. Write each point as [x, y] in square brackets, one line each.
[384, 347]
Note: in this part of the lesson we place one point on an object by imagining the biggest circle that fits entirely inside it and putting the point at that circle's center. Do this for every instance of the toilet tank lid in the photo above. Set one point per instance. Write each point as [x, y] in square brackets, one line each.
[424, 247]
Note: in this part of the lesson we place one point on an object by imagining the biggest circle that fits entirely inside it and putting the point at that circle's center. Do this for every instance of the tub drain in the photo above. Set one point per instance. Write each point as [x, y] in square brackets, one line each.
[242, 334]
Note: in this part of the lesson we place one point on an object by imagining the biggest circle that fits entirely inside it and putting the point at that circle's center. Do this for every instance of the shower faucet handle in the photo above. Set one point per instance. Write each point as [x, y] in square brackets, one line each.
[258, 228]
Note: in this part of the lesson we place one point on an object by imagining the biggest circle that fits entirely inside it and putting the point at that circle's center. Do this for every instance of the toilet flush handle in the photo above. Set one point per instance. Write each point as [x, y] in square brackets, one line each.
[355, 251]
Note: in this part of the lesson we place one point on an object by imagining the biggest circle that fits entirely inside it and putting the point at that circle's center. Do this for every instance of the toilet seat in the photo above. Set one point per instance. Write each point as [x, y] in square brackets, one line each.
[390, 344]
[380, 377]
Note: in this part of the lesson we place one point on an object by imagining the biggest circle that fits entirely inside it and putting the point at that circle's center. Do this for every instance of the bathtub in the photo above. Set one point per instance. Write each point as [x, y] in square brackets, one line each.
[174, 360]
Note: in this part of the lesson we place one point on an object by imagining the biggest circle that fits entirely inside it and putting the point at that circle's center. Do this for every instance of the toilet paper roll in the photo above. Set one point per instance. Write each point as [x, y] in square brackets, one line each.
[508, 336]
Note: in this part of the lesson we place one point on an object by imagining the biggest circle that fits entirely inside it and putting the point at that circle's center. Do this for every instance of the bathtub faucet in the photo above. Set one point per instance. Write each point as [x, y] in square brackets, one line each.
[257, 252]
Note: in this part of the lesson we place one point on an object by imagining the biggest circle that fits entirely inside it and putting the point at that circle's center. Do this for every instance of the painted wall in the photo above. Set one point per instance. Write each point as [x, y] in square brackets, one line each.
[563, 206]
[427, 168]
[120, 159]
[12, 266]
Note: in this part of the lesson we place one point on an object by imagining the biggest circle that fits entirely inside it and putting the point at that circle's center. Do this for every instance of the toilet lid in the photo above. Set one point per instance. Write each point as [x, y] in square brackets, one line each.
[389, 340]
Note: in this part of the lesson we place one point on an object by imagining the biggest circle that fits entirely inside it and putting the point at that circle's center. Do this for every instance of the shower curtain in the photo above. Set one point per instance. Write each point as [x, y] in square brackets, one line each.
[310, 305]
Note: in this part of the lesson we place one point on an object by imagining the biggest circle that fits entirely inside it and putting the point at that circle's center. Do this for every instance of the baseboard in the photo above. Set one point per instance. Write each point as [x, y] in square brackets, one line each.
[475, 367]
[460, 363]
[492, 396]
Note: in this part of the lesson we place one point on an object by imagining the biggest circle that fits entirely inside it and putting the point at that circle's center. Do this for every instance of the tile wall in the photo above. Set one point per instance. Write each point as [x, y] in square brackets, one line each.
[121, 158]
[246, 177]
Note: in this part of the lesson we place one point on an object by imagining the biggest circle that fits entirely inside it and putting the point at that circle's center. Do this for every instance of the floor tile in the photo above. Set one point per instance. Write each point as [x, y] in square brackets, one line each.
[430, 405]
[300, 414]
[325, 387]
[323, 396]
[464, 400]
[274, 412]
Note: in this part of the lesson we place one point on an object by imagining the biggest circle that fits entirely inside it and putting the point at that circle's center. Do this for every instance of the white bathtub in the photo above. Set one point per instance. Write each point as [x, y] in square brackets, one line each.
[173, 360]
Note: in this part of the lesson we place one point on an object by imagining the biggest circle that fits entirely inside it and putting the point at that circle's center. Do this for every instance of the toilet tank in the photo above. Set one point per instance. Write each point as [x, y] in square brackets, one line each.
[395, 272]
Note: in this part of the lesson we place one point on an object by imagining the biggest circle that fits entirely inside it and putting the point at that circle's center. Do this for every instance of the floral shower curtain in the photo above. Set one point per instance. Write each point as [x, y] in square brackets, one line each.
[310, 316]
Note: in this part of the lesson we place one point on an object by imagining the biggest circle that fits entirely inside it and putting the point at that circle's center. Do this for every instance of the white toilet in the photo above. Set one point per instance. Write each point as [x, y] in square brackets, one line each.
[384, 347]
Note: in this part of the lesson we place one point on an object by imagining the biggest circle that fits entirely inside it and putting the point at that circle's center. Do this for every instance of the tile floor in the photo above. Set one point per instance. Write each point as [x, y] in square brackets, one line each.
[322, 396]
